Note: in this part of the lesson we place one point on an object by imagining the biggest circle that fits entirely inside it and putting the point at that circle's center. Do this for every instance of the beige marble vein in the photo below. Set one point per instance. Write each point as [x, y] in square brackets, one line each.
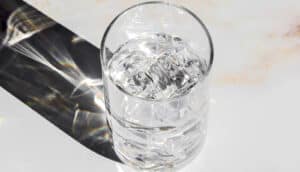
[251, 37]
[255, 77]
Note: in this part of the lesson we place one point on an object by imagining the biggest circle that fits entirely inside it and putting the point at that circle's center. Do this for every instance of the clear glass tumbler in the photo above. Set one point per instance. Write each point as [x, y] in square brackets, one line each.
[155, 60]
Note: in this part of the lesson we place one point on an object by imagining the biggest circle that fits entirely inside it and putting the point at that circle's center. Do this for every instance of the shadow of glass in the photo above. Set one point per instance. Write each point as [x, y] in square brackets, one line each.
[58, 74]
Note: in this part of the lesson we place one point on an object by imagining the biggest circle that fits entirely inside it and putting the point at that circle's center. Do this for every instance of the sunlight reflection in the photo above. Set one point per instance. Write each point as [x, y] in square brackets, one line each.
[60, 81]
[25, 22]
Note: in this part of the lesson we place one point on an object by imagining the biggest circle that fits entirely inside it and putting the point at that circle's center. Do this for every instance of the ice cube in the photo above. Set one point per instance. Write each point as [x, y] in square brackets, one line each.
[157, 66]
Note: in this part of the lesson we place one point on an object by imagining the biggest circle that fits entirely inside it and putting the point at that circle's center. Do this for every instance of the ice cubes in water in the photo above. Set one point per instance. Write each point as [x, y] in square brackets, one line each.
[156, 66]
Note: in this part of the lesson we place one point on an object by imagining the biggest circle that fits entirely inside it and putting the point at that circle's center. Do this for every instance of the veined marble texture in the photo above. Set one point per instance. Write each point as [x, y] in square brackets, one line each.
[251, 37]
[254, 82]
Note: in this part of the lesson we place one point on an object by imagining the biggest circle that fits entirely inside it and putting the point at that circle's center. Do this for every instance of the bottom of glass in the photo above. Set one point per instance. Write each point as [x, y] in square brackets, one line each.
[150, 157]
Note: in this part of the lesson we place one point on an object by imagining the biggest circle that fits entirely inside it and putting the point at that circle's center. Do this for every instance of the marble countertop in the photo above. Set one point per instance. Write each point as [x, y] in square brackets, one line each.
[254, 115]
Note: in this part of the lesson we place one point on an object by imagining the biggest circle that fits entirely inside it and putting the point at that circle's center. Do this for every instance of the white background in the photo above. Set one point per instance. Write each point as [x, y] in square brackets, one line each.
[254, 119]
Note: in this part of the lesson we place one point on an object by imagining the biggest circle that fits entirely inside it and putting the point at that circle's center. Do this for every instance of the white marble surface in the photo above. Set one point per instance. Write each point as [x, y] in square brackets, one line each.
[255, 79]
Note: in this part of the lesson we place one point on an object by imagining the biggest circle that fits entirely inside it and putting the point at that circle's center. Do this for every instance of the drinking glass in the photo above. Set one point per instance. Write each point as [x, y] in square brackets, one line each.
[156, 58]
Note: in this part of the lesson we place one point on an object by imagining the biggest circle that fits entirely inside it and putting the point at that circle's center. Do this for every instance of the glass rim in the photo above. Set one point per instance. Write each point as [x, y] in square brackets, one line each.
[211, 59]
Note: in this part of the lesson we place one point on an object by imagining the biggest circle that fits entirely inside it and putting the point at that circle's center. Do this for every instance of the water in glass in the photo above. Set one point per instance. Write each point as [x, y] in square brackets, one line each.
[157, 99]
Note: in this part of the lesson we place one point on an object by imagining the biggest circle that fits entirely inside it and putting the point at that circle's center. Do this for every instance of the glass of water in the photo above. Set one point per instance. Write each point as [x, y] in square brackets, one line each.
[156, 58]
